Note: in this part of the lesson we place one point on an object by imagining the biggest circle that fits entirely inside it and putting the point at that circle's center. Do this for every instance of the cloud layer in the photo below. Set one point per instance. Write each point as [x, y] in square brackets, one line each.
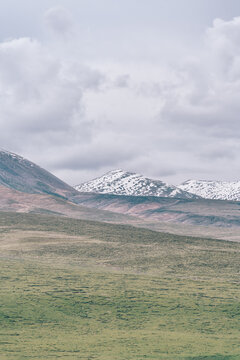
[172, 120]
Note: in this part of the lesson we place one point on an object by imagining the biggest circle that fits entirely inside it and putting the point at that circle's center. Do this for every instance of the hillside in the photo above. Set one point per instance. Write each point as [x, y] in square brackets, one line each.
[19, 202]
[186, 211]
[21, 174]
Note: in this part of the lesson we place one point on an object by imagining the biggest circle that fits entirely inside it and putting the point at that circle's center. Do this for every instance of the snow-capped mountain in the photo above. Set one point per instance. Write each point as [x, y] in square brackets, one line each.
[120, 182]
[207, 189]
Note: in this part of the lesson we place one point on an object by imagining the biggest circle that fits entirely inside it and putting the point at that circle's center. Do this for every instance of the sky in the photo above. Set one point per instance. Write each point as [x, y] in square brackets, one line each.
[148, 86]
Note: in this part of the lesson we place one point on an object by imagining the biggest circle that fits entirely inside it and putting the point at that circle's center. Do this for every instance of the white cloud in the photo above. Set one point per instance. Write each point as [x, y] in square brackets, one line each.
[41, 96]
[171, 121]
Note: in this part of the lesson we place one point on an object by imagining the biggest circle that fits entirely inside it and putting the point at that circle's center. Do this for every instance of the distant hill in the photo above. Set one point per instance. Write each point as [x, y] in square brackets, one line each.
[222, 190]
[21, 174]
[16, 201]
[119, 182]
[169, 210]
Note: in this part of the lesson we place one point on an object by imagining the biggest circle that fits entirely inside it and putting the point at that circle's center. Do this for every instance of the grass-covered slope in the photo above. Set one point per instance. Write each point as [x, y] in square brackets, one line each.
[74, 289]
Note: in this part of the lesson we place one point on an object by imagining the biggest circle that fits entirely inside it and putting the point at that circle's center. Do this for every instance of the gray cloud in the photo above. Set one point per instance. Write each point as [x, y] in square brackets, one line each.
[59, 20]
[95, 157]
[122, 81]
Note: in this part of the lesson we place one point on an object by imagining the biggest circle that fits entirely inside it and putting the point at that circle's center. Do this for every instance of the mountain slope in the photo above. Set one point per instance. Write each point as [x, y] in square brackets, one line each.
[221, 190]
[20, 174]
[119, 182]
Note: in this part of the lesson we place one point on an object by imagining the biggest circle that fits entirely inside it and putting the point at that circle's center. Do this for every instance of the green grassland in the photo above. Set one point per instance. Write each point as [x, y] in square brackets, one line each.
[74, 289]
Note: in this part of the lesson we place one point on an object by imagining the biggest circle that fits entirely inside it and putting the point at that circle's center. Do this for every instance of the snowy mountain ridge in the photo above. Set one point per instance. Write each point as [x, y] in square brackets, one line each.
[209, 189]
[21, 174]
[121, 182]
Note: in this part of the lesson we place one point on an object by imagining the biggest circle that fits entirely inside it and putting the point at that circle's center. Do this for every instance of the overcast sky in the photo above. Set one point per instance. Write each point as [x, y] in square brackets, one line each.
[150, 86]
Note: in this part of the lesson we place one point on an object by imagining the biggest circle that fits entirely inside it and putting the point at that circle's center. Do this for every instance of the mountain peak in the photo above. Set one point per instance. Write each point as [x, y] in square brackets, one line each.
[211, 189]
[120, 182]
[116, 172]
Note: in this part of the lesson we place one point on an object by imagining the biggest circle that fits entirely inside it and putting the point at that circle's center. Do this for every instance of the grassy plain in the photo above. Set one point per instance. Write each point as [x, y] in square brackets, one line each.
[74, 289]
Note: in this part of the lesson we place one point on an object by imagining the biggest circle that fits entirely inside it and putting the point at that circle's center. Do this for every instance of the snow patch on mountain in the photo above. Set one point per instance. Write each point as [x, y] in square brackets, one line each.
[120, 182]
[208, 189]
[12, 155]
